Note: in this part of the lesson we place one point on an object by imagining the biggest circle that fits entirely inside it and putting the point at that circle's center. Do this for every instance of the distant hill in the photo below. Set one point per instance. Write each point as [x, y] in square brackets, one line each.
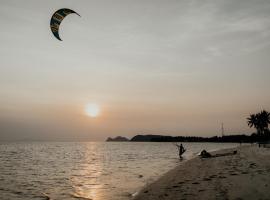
[145, 138]
[163, 138]
[117, 139]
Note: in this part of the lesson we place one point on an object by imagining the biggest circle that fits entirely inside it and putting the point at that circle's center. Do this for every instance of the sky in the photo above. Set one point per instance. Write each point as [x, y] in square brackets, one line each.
[174, 67]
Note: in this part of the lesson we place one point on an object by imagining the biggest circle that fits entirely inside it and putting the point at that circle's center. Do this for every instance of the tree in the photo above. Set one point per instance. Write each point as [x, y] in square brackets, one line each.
[264, 120]
[260, 122]
[252, 121]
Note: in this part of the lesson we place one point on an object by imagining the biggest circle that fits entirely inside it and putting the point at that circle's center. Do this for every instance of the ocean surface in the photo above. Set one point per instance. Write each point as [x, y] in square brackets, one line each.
[87, 170]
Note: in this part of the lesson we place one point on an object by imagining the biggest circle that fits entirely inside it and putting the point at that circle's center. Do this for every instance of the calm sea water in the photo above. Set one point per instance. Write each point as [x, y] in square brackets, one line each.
[89, 170]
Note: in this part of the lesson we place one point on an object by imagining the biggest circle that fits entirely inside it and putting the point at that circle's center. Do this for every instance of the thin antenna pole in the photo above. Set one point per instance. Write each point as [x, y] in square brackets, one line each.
[222, 129]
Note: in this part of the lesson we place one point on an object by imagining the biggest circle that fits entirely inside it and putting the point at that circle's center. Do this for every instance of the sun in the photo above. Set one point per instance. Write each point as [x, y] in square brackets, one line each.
[92, 110]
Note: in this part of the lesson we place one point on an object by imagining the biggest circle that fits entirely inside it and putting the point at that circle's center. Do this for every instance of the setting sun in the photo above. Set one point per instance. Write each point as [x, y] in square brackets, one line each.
[92, 110]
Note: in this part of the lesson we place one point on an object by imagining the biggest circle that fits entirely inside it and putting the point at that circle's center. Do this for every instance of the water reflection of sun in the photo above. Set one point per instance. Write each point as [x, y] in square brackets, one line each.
[88, 193]
[85, 182]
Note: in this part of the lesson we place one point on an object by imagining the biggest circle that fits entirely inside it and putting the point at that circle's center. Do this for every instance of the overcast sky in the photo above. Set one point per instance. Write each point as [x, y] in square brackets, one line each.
[175, 67]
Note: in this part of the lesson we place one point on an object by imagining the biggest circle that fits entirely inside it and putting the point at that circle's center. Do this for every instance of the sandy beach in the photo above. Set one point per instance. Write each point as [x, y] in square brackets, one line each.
[245, 175]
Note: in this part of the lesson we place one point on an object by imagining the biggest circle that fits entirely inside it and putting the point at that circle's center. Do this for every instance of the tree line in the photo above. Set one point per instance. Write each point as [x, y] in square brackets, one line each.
[260, 121]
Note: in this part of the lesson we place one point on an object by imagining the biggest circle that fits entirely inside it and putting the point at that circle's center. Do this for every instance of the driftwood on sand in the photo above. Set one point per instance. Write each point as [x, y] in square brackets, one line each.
[205, 154]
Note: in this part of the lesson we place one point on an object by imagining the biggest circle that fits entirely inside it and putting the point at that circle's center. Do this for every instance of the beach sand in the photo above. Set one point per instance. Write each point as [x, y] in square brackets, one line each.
[245, 175]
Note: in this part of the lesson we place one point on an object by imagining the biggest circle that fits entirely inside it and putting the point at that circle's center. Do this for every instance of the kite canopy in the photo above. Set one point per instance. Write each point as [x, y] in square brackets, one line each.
[57, 18]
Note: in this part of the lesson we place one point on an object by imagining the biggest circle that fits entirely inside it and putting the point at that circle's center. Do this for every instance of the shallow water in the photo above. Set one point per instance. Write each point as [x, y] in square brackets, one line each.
[86, 170]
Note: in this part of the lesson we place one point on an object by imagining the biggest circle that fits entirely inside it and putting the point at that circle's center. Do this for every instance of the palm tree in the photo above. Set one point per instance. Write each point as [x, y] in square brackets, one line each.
[260, 121]
[264, 120]
[252, 121]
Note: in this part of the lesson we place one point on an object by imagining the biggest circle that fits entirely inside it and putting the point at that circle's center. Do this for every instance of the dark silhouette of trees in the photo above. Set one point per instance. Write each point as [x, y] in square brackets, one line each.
[226, 138]
[260, 122]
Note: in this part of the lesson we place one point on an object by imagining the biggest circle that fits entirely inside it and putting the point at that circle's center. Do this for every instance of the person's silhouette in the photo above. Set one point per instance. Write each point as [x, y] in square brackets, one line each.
[181, 149]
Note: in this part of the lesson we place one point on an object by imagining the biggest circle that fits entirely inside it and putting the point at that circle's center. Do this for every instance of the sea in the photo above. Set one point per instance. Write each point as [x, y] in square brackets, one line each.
[87, 170]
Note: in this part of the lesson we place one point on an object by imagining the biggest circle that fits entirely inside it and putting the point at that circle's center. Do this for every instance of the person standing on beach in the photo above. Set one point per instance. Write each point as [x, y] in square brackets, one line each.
[181, 149]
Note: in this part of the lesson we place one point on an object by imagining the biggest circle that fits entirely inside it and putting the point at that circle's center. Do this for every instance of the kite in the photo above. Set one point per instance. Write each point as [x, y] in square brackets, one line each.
[57, 18]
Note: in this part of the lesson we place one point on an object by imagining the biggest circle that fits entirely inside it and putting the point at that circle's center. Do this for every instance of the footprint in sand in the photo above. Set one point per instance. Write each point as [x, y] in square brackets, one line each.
[222, 177]
[195, 183]
[207, 179]
[252, 165]
[244, 172]
[187, 194]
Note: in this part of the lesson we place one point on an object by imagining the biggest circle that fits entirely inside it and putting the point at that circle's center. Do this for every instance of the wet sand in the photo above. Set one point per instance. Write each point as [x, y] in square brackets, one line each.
[245, 175]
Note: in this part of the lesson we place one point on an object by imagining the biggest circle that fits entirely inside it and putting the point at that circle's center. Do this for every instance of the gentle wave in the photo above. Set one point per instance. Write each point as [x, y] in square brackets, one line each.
[97, 171]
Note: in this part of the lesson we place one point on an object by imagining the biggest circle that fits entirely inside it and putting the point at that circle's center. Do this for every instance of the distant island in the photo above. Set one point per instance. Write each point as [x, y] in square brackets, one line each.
[163, 138]
[146, 138]
[117, 139]
[259, 121]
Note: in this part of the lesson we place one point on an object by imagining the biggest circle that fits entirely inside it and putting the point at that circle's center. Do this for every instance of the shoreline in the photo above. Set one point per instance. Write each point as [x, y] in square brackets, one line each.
[182, 162]
[245, 175]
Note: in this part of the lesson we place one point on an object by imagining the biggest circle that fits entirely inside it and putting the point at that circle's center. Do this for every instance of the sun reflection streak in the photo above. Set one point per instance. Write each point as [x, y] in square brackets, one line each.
[86, 183]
